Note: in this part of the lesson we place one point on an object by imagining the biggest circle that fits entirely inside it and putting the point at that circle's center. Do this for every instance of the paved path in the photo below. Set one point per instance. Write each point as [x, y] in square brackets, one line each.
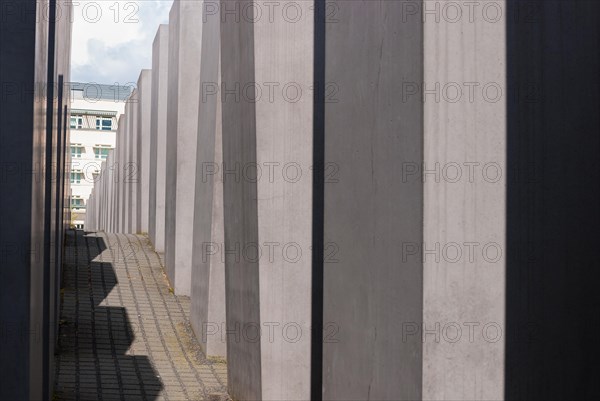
[123, 334]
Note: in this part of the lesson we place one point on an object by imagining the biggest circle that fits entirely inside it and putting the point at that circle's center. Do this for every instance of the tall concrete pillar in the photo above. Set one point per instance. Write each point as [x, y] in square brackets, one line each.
[113, 199]
[185, 35]
[96, 200]
[90, 206]
[158, 138]
[128, 167]
[108, 188]
[104, 196]
[107, 195]
[267, 117]
[117, 214]
[123, 167]
[115, 183]
[88, 211]
[207, 313]
[119, 169]
[103, 219]
[133, 165]
[108, 177]
[91, 212]
[99, 215]
[143, 146]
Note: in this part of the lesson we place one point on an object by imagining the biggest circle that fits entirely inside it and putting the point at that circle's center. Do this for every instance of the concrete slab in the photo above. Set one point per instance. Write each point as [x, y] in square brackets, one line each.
[268, 218]
[158, 138]
[185, 36]
[207, 312]
[119, 167]
[143, 138]
[133, 163]
[109, 188]
[124, 171]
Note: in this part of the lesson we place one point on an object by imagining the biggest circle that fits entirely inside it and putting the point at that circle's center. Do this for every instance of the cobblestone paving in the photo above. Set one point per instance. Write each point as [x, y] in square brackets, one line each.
[123, 334]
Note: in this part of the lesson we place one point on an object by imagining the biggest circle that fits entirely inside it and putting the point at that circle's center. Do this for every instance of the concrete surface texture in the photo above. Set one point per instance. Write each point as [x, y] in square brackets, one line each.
[158, 138]
[185, 43]
[207, 312]
[370, 133]
[460, 289]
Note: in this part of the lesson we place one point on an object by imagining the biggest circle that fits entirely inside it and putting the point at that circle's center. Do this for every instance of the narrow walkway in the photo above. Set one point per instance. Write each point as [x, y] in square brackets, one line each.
[123, 334]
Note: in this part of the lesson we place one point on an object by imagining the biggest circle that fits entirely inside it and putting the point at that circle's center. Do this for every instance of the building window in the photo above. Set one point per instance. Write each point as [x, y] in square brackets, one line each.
[77, 122]
[101, 152]
[104, 123]
[77, 203]
[76, 178]
[76, 151]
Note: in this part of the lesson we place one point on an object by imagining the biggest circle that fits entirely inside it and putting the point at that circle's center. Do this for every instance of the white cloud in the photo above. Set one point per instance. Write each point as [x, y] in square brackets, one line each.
[112, 40]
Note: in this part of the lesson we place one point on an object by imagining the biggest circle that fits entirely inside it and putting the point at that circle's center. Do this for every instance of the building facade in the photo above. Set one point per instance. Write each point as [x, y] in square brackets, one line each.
[93, 121]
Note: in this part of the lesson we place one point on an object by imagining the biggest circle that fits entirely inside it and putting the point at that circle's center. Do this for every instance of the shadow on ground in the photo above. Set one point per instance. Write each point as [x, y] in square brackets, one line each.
[91, 361]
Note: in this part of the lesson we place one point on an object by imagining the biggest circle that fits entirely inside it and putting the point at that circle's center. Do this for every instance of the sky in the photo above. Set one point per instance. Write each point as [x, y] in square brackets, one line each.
[112, 39]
